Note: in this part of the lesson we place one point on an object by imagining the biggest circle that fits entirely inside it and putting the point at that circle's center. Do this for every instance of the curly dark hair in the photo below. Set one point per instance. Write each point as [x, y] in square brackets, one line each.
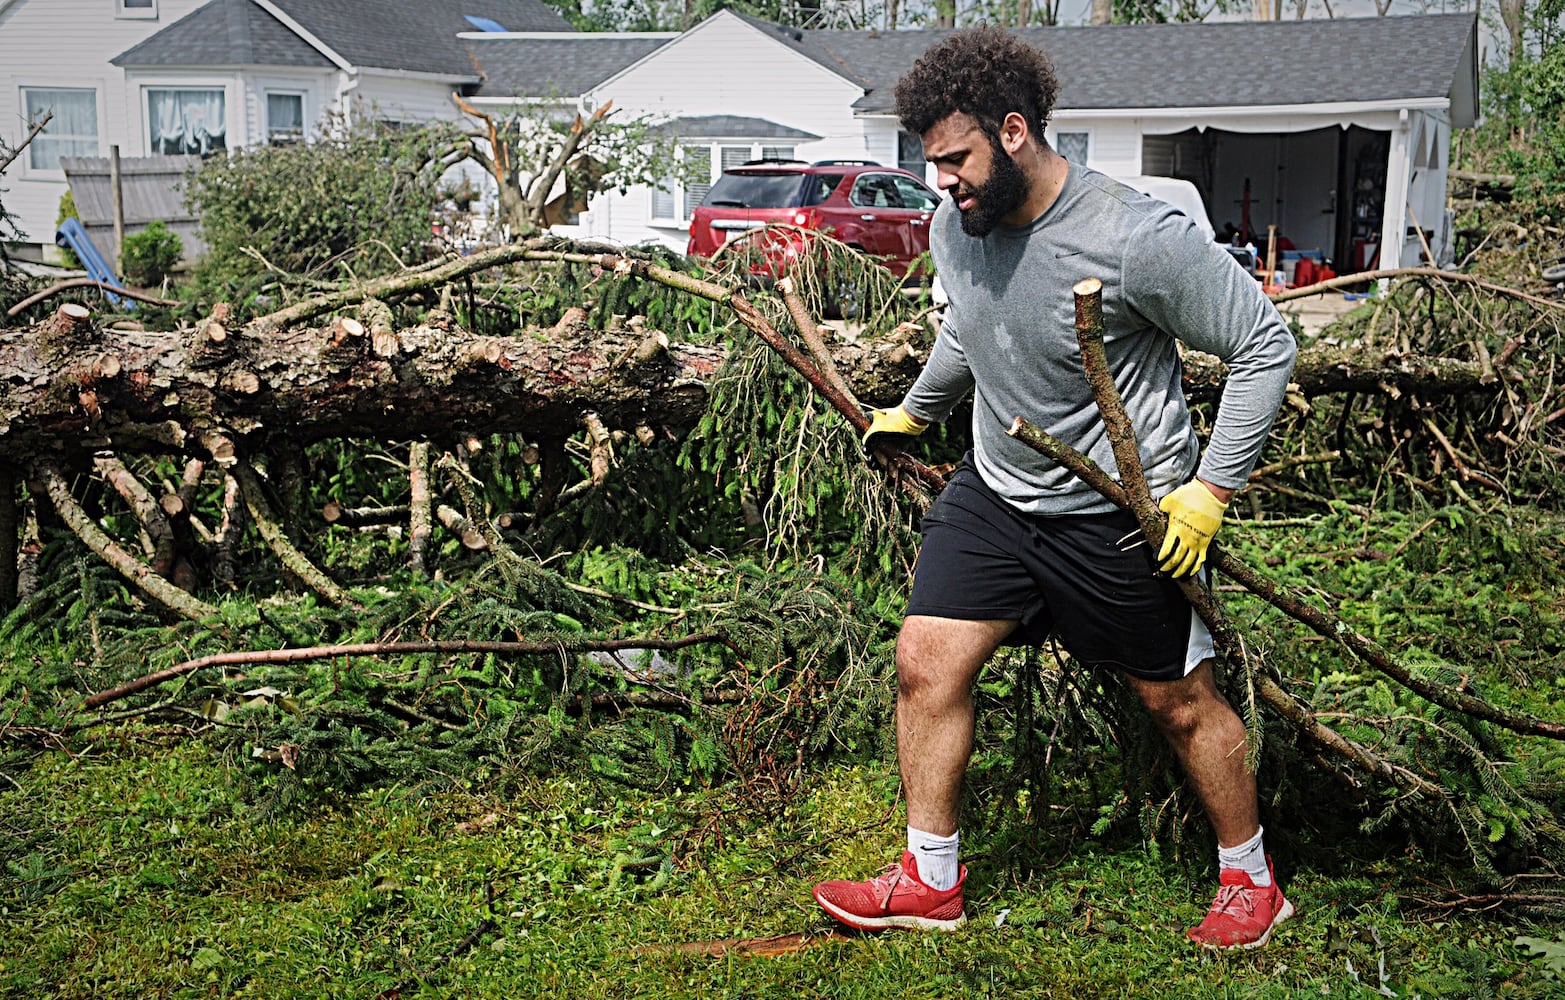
[986, 72]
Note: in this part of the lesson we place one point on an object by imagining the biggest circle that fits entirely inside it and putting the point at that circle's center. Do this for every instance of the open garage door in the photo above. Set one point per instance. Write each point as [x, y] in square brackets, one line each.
[1324, 189]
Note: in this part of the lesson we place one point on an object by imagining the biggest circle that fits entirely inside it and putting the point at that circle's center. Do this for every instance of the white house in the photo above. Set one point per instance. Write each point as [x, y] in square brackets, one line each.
[203, 76]
[1337, 132]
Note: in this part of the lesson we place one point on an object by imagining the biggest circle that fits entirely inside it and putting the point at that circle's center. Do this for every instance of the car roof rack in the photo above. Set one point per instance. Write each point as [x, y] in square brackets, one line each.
[769, 159]
[845, 163]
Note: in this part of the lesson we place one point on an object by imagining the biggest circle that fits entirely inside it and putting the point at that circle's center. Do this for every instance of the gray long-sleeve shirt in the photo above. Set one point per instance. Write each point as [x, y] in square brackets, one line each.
[1009, 335]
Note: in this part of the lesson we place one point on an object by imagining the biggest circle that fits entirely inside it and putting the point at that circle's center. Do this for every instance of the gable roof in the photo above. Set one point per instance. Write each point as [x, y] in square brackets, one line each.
[733, 127]
[1329, 61]
[224, 33]
[414, 35]
[567, 66]
[411, 36]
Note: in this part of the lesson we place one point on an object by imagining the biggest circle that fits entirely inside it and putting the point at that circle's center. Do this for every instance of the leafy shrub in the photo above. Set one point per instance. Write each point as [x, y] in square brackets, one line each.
[149, 255]
[67, 211]
[356, 201]
[1523, 126]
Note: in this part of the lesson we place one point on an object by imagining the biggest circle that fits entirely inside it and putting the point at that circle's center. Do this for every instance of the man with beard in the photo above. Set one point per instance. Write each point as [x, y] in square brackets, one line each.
[1016, 547]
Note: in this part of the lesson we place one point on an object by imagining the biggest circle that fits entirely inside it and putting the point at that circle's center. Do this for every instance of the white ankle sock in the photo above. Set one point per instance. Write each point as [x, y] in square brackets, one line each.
[936, 857]
[1249, 857]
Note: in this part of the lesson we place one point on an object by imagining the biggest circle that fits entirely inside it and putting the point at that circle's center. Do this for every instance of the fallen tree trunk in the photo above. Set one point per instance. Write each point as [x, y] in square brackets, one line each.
[71, 388]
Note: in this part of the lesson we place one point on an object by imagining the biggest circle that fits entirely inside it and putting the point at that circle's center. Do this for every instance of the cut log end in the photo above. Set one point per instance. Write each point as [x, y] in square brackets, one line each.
[70, 318]
[105, 366]
[1087, 286]
[385, 343]
[485, 350]
[220, 448]
[345, 328]
[652, 348]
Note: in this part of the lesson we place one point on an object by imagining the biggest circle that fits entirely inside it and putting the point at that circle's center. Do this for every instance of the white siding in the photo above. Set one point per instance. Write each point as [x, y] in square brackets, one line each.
[725, 66]
[318, 88]
[68, 43]
[405, 98]
[1115, 146]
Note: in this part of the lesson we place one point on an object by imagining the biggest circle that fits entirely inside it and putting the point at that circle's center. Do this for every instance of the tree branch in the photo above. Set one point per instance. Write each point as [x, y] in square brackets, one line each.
[128, 566]
[70, 283]
[28, 138]
[277, 540]
[309, 653]
[544, 183]
[1348, 280]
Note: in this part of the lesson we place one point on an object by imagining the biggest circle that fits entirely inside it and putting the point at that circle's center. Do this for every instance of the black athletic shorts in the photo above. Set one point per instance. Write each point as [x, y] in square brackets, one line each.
[982, 559]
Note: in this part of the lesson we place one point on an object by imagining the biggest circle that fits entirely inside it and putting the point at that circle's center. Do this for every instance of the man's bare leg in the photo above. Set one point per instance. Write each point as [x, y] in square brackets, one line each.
[1209, 738]
[937, 661]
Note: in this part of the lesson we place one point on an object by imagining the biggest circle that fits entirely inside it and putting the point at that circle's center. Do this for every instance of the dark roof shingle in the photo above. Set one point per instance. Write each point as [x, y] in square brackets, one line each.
[399, 35]
[224, 33]
[734, 127]
[417, 36]
[548, 67]
[1344, 60]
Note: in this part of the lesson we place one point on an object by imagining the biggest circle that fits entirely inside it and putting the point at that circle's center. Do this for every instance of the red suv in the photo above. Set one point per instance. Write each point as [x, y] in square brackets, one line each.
[880, 210]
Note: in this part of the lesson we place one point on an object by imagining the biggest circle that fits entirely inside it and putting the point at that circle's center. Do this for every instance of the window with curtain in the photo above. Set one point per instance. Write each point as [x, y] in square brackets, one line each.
[284, 118]
[186, 120]
[73, 131]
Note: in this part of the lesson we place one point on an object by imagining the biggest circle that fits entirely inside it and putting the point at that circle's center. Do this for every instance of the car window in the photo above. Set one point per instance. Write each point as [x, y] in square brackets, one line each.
[875, 191]
[818, 188]
[915, 195]
[754, 191]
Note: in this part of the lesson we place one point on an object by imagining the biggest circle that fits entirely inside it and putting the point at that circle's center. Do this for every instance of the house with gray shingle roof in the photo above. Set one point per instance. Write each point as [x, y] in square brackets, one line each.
[1334, 134]
[198, 77]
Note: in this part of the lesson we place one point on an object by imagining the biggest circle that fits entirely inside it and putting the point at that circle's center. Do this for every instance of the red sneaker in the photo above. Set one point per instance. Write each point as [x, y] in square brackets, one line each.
[1244, 914]
[895, 898]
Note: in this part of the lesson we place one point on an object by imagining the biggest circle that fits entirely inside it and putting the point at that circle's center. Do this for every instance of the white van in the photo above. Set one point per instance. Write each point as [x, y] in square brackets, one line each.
[1178, 193]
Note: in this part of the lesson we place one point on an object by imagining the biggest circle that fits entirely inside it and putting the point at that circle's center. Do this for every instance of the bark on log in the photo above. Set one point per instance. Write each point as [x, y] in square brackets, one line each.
[419, 525]
[138, 391]
[359, 517]
[458, 524]
[1322, 370]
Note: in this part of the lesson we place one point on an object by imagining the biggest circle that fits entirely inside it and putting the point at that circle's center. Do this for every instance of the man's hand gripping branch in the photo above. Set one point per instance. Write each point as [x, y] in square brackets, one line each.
[890, 427]
[1195, 512]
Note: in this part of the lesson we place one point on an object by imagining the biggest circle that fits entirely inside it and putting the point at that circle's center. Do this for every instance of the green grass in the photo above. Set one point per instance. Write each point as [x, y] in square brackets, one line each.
[132, 869]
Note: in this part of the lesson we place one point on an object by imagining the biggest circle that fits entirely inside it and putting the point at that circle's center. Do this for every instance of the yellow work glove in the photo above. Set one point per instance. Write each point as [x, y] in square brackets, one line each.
[1194, 516]
[893, 421]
